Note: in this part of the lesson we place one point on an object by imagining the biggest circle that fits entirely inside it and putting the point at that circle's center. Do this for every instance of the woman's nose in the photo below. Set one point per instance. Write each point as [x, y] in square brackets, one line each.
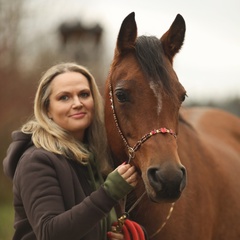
[77, 102]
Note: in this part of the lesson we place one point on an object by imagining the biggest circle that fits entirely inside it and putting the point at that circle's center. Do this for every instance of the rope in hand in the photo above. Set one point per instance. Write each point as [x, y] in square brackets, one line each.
[130, 229]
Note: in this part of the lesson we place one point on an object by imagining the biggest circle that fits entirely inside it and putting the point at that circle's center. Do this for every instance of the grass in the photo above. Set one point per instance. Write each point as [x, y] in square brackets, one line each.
[6, 216]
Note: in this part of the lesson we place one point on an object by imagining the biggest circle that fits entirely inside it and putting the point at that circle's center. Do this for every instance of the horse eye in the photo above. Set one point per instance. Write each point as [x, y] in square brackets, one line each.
[121, 96]
[184, 97]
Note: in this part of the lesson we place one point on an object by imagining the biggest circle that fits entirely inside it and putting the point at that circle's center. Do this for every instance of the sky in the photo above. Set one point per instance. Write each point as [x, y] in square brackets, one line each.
[208, 64]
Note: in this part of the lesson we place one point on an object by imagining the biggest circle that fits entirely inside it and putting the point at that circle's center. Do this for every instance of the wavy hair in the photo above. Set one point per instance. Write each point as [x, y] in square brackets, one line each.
[50, 136]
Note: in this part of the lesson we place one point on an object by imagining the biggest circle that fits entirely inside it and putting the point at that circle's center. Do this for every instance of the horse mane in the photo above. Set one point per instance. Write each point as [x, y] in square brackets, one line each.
[149, 53]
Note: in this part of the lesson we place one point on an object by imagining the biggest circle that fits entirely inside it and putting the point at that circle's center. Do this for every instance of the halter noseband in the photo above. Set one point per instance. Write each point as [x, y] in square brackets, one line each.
[132, 150]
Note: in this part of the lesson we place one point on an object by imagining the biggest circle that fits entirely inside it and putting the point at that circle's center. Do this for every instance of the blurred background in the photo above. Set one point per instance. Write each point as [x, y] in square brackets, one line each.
[35, 35]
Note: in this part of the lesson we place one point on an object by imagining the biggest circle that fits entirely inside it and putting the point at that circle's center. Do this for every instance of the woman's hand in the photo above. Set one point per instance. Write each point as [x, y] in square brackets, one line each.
[115, 236]
[128, 173]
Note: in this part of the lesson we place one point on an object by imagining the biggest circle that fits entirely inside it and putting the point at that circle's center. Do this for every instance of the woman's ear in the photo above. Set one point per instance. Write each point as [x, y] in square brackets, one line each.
[49, 115]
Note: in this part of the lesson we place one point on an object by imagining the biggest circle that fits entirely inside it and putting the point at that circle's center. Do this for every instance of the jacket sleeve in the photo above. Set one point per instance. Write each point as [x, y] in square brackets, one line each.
[116, 186]
[37, 182]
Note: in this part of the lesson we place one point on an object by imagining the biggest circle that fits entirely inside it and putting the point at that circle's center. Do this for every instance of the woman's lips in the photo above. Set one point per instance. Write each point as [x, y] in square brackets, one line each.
[78, 115]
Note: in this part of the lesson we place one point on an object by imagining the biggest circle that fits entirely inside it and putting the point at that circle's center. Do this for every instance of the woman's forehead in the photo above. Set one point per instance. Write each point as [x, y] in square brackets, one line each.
[69, 80]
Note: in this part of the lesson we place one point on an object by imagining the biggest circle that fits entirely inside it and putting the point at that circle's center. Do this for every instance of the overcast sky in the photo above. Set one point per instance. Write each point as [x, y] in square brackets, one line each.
[208, 65]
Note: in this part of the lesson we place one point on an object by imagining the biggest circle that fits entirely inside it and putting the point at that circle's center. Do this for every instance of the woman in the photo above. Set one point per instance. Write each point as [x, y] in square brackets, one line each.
[58, 160]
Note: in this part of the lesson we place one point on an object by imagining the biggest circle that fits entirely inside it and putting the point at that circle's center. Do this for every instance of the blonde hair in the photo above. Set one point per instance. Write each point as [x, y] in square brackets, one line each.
[50, 136]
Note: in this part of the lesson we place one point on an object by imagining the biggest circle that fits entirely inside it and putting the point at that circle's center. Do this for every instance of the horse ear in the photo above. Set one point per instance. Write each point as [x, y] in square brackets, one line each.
[172, 40]
[127, 34]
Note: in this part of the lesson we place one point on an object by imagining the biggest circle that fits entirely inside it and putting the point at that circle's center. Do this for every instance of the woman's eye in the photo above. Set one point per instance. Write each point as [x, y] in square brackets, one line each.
[84, 95]
[64, 98]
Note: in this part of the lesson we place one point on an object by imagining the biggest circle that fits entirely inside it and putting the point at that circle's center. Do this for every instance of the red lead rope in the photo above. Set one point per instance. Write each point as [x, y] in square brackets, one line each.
[130, 229]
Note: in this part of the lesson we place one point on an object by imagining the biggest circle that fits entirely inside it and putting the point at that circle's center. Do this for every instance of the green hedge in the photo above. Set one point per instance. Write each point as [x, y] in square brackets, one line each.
[6, 216]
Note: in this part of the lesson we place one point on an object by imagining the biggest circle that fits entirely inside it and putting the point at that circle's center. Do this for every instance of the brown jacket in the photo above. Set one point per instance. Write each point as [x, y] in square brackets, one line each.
[53, 198]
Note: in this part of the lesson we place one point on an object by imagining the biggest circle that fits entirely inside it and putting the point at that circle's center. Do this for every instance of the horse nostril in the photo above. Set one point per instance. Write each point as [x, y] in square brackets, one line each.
[184, 179]
[154, 178]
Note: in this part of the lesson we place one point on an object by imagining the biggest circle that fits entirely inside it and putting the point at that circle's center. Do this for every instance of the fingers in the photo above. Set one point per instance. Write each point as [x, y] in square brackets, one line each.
[126, 170]
[115, 236]
[133, 179]
[128, 173]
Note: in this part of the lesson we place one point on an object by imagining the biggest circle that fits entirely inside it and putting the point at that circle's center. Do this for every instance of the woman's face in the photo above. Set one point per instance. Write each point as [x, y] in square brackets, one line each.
[71, 103]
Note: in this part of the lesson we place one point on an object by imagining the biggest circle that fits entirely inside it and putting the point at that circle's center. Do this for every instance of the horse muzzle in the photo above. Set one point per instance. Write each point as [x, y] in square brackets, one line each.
[166, 182]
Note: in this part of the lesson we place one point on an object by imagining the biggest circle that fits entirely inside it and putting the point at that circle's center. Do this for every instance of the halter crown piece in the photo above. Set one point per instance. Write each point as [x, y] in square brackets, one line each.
[132, 150]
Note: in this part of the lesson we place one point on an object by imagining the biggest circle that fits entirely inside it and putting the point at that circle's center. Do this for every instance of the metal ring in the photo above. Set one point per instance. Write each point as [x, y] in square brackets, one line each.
[131, 152]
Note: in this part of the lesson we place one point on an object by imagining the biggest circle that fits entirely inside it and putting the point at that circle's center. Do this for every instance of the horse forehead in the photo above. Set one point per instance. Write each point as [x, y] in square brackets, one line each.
[126, 69]
[129, 68]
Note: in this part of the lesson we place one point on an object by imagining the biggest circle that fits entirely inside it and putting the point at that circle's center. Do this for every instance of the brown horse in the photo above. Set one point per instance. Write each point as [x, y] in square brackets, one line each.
[147, 125]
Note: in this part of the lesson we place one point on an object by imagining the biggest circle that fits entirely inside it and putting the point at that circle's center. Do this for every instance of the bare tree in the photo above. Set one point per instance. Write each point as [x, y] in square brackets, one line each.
[10, 19]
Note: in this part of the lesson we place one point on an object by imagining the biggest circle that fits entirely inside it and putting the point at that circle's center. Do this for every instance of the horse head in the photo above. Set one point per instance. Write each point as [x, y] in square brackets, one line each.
[143, 98]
